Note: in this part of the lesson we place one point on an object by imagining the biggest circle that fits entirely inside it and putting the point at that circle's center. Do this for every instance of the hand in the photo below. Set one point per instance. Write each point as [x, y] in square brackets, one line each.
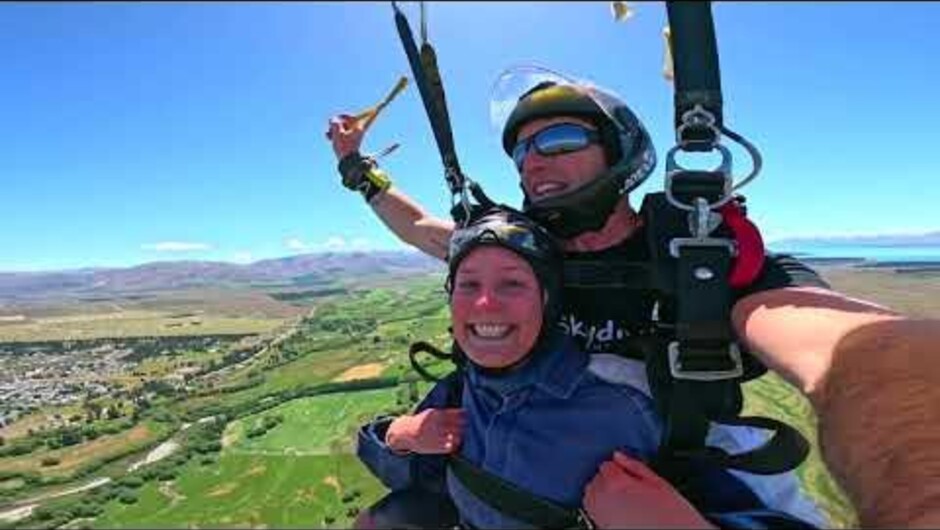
[432, 431]
[627, 494]
[346, 133]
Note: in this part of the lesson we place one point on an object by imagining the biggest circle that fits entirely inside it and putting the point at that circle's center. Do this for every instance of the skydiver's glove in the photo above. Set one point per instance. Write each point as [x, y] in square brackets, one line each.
[362, 174]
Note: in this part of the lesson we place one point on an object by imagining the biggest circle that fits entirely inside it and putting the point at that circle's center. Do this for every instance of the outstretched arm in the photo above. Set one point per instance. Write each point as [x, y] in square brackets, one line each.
[411, 223]
[873, 378]
[405, 217]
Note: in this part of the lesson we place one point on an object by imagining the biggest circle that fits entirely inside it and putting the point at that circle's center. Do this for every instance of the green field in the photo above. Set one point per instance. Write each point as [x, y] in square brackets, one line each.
[251, 491]
[310, 425]
[288, 462]
[295, 475]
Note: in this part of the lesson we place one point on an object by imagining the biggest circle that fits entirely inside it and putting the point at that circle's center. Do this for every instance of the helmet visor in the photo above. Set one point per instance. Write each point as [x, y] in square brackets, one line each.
[516, 81]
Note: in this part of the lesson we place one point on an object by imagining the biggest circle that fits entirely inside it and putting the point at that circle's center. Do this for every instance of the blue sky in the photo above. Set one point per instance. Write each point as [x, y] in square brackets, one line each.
[135, 132]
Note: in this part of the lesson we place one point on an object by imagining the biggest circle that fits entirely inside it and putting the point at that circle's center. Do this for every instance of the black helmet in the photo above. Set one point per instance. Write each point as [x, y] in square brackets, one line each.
[627, 145]
[514, 231]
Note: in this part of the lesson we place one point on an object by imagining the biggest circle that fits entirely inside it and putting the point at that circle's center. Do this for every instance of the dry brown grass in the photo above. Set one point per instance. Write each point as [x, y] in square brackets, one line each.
[211, 311]
[74, 457]
[222, 490]
[363, 371]
[334, 483]
[914, 295]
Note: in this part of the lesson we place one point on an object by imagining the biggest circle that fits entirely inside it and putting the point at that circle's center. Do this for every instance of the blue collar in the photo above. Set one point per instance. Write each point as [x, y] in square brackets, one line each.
[555, 369]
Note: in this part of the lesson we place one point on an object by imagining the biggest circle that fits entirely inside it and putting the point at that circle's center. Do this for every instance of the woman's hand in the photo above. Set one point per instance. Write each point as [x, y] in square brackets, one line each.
[627, 494]
[432, 431]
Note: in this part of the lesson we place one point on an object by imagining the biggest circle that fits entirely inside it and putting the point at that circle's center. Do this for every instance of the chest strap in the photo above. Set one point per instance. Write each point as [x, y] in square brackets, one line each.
[513, 501]
[612, 274]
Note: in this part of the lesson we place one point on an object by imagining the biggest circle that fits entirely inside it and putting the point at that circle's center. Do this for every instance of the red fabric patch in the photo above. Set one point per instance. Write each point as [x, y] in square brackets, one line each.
[750, 259]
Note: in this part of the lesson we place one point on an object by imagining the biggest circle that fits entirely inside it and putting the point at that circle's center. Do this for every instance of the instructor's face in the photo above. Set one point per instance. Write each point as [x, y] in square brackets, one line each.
[546, 176]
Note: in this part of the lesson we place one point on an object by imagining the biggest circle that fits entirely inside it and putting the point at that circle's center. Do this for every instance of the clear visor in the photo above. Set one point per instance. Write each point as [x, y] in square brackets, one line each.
[516, 80]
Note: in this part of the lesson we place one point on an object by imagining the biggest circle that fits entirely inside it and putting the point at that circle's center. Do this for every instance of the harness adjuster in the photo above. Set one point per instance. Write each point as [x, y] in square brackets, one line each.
[676, 243]
[678, 372]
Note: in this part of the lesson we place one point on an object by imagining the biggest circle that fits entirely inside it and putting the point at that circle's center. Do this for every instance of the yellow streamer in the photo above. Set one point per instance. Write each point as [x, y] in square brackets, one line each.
[365, 118]
[668, 71]
[621, 11]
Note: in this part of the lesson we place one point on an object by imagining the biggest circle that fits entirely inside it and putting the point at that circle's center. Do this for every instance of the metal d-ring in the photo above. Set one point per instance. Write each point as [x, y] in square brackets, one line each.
[757, 160]
[673, 167]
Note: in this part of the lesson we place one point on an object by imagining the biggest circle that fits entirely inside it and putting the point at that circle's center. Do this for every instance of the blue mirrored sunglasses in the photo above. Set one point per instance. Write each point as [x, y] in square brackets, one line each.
[555, 140]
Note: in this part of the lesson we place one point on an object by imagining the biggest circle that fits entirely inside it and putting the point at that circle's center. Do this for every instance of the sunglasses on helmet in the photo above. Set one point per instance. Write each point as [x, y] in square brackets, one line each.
[555, 140]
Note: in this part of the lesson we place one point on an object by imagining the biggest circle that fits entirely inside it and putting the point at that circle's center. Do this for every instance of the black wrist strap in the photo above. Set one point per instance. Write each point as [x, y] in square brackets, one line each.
[355, 170]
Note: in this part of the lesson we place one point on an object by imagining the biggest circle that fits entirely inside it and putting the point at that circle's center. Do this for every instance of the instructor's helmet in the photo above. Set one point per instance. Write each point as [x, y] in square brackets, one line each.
[627, 145]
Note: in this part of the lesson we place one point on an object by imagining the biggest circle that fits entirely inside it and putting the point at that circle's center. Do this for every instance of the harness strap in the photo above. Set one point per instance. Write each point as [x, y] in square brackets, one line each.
[514, 501]
[697, 77]
[698, 381]
[622, 274]
[428, 78]
[422, 346]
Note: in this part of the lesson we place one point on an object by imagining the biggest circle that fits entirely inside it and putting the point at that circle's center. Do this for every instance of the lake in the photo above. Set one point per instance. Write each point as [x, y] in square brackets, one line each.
[869, 252]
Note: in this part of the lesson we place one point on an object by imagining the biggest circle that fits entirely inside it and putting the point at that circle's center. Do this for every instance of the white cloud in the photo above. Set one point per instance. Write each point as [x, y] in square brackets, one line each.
[296, 244]
[175, 246]
[359, 243]
[335, 243]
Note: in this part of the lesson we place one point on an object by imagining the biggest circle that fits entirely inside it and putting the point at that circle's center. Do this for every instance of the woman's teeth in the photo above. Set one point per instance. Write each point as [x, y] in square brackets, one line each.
[490, 331]
[547, 187]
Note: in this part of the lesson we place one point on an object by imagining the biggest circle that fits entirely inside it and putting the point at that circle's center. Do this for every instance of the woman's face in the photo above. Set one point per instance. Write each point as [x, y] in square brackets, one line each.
[496, 306]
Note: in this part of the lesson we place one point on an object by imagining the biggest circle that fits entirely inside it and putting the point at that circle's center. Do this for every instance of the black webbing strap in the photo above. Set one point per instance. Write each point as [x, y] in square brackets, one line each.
[703, 344]
[697, 76]
[622, 274]
[498, 493]
[513, 501]
[422, 346]
[690, 407]
[704, 337]
[428, 78]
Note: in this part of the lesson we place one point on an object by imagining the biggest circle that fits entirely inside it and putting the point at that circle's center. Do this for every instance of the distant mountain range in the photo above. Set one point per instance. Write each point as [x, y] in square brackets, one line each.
[929, 239]
[301, 270]
[318, 269]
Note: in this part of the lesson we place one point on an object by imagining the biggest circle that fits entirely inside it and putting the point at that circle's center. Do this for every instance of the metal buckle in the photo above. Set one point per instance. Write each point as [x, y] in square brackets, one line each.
[677, 242]
[673, 167]
[698, 117]
[707, 375]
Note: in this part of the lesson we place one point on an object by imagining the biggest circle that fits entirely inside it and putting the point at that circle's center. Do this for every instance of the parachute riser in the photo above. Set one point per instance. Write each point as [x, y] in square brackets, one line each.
[428, 78]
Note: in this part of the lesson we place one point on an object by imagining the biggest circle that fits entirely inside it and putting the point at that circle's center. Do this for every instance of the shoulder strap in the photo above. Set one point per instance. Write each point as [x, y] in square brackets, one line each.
[695, 376]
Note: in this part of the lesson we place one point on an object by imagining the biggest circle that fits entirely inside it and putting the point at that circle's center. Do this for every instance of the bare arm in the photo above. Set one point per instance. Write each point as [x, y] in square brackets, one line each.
[405, 217]
[873, 378]
[411, 223]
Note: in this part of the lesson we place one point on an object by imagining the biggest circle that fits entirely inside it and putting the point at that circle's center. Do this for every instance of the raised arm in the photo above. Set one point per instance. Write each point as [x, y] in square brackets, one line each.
[405, 217]
[873, 378]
